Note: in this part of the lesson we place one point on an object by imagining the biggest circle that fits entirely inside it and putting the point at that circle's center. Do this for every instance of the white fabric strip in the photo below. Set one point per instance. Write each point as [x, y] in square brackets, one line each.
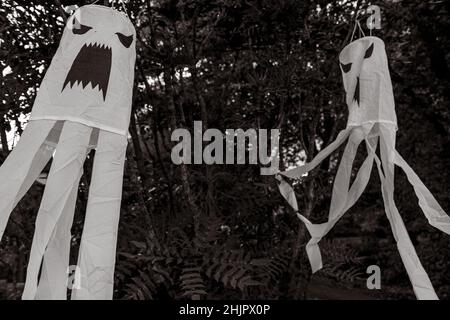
[63, 178]
[420, 281]
[342, 201]
[97, 255]
[433, 211]
[23, 166]
[53, 282]
[301, 170]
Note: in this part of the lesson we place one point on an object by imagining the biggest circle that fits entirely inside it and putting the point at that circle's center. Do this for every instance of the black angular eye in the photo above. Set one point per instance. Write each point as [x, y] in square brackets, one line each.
[125, 40]
[79, 28]
[369, 52]
[346, 67]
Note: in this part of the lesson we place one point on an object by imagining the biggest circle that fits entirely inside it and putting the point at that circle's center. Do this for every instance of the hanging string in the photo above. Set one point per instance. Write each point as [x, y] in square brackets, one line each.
[354, 28]
[361, 31]
[353, 33]
[124, 7]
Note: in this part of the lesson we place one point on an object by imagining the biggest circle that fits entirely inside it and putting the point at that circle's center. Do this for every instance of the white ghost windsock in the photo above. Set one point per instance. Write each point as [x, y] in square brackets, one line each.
[84, 103]
[371, 120]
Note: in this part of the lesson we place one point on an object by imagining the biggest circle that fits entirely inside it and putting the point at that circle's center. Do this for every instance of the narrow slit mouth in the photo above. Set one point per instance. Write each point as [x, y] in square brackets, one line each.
[356, 95]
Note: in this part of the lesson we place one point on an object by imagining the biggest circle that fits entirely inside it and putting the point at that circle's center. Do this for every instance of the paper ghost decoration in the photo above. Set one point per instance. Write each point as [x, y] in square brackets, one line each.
[371, 120]
[84, 102]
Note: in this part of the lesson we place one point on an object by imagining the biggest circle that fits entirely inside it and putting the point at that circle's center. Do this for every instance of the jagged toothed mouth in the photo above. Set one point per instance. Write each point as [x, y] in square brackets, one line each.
[92, 64]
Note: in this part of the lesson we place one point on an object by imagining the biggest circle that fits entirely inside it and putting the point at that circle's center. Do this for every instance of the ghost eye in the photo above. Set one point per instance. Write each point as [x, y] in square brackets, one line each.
[346, 67]
[79, 28]
[369, 52]
[125, 40]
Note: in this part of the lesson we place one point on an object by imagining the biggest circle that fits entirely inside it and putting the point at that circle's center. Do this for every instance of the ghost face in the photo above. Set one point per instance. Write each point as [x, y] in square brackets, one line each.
[367, 82]
[351, 60]
[95, 39]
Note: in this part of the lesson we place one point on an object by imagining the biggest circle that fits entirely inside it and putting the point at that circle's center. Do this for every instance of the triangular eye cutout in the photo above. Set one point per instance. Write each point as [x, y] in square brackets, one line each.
[79, 28]
[125, 40]
[346, 67]
[369, 52]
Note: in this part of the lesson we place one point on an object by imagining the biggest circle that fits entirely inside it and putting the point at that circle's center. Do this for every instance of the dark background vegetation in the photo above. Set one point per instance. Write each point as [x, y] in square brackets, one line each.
[223, 231]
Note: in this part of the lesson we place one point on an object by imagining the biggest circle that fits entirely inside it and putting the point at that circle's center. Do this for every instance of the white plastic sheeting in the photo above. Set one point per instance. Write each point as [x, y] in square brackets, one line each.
[84, 102]
[372, 121]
